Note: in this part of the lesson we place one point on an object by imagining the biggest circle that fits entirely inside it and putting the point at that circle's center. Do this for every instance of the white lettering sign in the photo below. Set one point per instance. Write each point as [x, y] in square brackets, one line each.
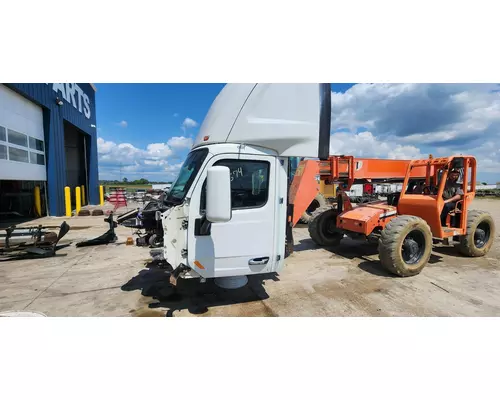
[74, 95]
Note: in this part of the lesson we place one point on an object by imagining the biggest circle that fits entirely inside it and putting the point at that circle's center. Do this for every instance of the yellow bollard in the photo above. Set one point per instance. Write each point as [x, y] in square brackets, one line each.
[83, 196]
[101, 195]
[77, 199]
[38, 201]
[67, 196]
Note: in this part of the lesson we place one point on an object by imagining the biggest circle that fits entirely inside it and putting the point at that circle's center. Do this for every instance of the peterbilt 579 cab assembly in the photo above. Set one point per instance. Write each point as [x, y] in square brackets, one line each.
[231, 211]
[228, 215]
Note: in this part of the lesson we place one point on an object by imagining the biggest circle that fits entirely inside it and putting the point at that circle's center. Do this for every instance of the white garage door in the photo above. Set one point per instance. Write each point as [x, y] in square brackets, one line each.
[22, 147]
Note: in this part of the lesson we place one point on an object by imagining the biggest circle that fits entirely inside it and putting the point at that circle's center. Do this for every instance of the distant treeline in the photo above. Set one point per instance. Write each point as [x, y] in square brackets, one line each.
[125, 181]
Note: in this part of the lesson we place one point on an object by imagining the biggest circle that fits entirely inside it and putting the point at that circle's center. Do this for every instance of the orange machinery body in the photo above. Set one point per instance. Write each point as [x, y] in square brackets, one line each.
[429, 206]
[365, 218]
[346, 171]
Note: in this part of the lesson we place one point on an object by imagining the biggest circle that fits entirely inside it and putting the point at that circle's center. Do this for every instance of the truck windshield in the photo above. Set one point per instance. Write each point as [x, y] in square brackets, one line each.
[188, 172]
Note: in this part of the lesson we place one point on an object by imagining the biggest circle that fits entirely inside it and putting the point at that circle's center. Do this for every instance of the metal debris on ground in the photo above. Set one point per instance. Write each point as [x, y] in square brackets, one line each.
[106, 238]
[41, 243]
[442, 288]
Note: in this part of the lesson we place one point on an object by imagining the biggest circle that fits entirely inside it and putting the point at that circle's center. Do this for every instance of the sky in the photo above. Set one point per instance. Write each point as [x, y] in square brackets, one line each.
[146, 130]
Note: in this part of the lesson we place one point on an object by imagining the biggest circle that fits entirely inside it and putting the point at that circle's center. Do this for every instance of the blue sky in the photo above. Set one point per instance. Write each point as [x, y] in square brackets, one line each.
[155, 112]
[145, 130]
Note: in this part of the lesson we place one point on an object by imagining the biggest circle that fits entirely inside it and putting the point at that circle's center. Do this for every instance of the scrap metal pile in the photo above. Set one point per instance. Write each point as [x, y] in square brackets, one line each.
[39, 243]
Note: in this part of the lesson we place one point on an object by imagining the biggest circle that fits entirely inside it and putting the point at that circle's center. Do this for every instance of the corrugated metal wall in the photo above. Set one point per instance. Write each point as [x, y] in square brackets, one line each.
[54, 115]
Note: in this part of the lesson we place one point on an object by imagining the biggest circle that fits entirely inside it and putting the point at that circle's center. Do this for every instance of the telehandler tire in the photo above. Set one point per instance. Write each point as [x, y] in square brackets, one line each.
[318, 202]
[405, 245]
[479, 236]
[323, 229]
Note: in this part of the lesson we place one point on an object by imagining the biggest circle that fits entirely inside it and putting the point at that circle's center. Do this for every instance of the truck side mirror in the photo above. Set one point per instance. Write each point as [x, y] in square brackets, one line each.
[218, 194]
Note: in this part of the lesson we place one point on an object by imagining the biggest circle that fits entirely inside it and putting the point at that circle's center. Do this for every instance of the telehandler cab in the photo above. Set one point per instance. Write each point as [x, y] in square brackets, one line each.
[407, 223]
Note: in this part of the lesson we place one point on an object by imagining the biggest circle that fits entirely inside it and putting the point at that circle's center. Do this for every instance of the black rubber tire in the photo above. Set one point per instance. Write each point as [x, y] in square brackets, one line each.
[319, 202]
[468, 245]
[84, 213]
[390, 245]
[154, 241]
[321, 231]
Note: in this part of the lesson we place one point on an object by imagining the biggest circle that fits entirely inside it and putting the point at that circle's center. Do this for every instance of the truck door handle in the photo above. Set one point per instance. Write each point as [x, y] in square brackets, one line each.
[259, 261]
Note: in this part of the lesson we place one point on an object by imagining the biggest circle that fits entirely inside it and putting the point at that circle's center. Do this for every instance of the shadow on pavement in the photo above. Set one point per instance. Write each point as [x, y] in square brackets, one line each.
[352, 249]
[375, 268]
[451, 251]
[190, 294]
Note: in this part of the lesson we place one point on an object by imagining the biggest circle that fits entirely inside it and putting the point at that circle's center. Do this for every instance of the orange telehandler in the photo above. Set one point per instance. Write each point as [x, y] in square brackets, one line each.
[407, 223]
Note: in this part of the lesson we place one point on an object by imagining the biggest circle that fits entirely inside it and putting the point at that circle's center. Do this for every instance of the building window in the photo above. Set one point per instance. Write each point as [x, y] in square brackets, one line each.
[3, 152]
[37, 158]
[36, 144]
[18, 138]
[3, 135]
[18, 154]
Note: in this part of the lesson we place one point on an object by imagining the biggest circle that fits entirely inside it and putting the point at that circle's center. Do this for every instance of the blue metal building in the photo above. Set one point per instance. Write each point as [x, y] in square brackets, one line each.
[47, 138]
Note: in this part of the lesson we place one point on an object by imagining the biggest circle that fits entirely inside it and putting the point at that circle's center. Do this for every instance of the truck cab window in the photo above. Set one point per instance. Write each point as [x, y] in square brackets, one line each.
[186, 176]
[249, 183]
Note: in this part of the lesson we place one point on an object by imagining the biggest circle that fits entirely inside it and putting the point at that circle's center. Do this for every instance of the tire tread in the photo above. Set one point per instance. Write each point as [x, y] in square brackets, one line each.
[389, 249]
[466, 245]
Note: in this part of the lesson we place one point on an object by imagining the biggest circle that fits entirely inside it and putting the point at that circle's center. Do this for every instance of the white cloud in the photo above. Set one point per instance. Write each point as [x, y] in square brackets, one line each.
[189, 123]
[123, 124]
[402, 120]
[158, 150]
[366, 145]
[155, 161]
[103, 146]
[180, 142]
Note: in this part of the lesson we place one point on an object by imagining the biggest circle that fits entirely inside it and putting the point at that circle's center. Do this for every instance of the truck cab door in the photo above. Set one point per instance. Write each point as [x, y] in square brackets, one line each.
[247, 243]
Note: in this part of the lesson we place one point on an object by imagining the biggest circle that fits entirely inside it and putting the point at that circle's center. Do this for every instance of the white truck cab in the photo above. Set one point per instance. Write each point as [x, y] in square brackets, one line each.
[229, 204]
